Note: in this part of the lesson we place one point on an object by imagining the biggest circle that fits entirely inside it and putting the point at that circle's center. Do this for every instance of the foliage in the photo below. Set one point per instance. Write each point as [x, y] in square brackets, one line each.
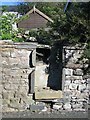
[72, 25]
[4, 8]
[5, 26]
[6, 30]
[6, 36]
[47, 7]
[23, 8]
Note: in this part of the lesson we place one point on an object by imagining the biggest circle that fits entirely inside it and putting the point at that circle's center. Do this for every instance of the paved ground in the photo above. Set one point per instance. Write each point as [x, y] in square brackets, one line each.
[53, 114]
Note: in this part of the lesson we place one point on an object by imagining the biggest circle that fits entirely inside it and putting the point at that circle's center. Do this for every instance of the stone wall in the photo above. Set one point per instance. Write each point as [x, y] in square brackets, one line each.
[17, 71]
[17, 62]
[76, 84]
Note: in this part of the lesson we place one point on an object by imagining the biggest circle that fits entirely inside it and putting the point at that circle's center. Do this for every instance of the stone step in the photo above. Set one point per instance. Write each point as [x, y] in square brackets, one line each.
[48, 94]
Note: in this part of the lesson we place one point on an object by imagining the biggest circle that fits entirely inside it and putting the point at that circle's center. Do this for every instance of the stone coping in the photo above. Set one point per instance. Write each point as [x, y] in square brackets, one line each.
[74, 47]
[18, 45]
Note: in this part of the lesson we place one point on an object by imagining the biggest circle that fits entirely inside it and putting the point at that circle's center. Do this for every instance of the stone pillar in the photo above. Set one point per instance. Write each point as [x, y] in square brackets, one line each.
[15, 74]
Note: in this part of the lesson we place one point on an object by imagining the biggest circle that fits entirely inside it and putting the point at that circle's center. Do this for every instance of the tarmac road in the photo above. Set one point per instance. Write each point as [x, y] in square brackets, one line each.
[79, 115]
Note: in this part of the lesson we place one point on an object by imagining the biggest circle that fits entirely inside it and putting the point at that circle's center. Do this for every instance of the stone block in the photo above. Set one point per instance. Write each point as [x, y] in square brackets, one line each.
[5, 78]
[19, 107]
[20, 53]
[7, 86]
[5, 63]
[67, 96]
[88, 80]
[83, 81]
[79, 109]
[86, 92]
[28, 100]
[66, 87]
[67, 106]
[14, 103]
[68, 72]
[5, 101]
[6, 42]
[77, 94]
[88, 87]
[68, 91]
[8, 109]
[37, 107]
[74, 78]
[23, 89]
[7, 94]
[58, 101]
[6, 71]
[24, 63]
[78, 72]
[14, 62]
[76, 81]
[57, 107]
[73, 86]
[6, 53]
[48, 94]
[13, 54]
[82, 87]
[77, 106]
[67, 82]
[11, 86]
[14, 81]
[24, 82]
[17, 94]
[74, 65]
[66, 99]
[81, 100]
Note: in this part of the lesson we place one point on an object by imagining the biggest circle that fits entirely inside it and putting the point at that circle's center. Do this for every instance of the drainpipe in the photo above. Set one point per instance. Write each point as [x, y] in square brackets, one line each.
[68, 1]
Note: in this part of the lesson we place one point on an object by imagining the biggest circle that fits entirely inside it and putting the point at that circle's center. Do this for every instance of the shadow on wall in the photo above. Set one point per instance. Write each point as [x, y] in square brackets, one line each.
[31, 82]
[55, 67]
[31, 76]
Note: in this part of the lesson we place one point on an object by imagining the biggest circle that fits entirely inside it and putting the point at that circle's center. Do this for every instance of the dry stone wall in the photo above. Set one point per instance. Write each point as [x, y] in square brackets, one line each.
[76, 85]
[14, 73]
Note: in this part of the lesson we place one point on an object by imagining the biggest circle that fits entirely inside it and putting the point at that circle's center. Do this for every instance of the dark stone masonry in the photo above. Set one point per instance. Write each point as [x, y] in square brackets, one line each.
[17, 69]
